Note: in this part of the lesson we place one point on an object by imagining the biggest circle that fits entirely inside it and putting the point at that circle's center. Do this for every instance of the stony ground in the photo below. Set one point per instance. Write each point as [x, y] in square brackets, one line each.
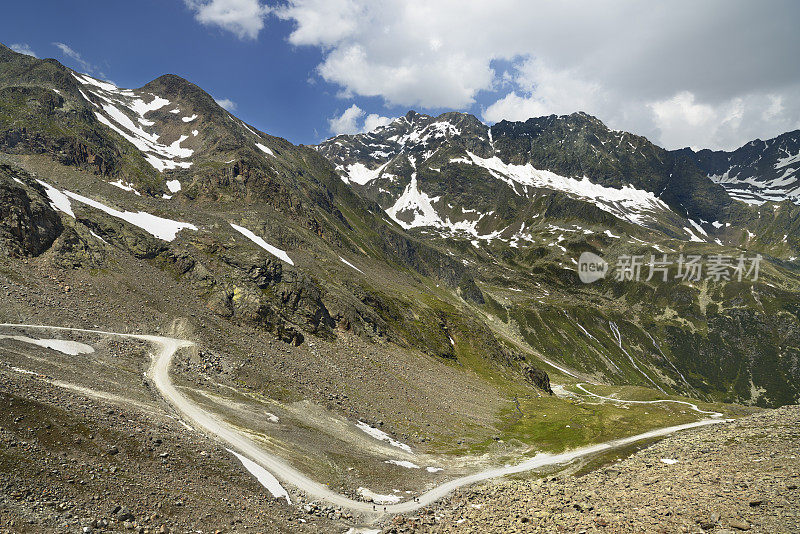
[740, 476]
[70, 464]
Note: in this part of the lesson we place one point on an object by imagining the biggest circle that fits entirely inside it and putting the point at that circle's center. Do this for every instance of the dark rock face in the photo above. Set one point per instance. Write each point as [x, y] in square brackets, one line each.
[758, 171]
[581, 145]
[537, 377]
[40, 117]
[78, 248]
[469, 290]
[28, 224]
[575, 145]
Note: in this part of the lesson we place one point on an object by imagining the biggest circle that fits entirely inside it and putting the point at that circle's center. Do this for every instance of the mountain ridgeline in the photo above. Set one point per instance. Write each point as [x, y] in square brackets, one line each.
[439, 235]
[758, 172]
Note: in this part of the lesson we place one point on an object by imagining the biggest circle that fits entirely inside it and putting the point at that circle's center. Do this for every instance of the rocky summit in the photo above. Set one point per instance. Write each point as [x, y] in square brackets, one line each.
[438, 325]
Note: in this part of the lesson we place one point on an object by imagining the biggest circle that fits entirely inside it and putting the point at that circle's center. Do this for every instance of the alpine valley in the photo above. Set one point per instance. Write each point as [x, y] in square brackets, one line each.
[208, 328]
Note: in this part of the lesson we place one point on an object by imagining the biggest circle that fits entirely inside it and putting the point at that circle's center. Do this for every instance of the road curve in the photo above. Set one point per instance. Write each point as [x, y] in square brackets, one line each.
[658, 401]
[159, 374]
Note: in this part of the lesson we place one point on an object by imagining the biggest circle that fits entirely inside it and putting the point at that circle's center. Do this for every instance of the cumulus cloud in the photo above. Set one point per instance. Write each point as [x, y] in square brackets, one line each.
[244, 18]
[226, 103]
[83, 65]
[621, 60]
[22, 48]
[355, 120]
[544, 91]
[683, 121]
[373, 121]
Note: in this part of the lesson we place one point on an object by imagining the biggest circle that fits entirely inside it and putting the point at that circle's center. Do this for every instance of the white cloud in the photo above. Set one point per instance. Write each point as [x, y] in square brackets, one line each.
[321, 22]
[545, 91]
[683, 114]
[226, 103]
[682, 121]
[22, 48]
[245, 18]
[615, 59]
[374, 121]
[83, 65]
[355, 120]
[346, 123]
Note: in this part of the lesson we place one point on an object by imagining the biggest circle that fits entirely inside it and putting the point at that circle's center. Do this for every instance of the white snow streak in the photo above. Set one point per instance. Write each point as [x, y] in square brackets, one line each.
[64, 346]
[350, 265]
[382, 436]
[266, 478]
[275, 251]
[265, 149]
[628, 203]
[58, 199]
[159, 227]
[403, 463]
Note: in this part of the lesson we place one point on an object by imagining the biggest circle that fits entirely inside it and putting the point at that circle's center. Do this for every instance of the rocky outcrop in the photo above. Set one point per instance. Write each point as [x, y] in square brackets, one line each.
[39, 117]
[28, 224]
[537, 377]
[77, 247]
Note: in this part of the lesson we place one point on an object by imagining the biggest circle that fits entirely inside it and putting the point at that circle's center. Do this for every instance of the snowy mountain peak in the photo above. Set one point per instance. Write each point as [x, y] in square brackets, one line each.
[454, 174]
[758, 172]
[156, 128]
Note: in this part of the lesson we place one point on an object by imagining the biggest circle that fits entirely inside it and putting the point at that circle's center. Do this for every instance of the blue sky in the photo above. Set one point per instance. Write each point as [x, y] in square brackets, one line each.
[306, 69]
[132, 43]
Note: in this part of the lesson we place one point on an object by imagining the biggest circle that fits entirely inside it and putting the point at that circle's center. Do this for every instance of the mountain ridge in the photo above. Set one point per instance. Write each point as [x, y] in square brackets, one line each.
[439, 234]
[754, 173]
[524, 149]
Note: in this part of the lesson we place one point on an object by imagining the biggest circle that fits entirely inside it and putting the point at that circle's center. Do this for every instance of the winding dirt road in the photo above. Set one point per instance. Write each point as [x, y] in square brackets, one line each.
[212, 425]
[658, 401]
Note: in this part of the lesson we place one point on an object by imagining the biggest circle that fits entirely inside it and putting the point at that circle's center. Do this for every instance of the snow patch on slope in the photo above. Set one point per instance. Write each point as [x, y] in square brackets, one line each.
[360, 174]
[416, 206]
[377, 498]
[403, 463]
[265, 149]
[757, 190]
[264, 477]
[125, 187]
[161, 156]
[275, 251]
[382, 436]
[64, 346]
[628, 203]
[159, 227]
[165, 229]
[58, 200]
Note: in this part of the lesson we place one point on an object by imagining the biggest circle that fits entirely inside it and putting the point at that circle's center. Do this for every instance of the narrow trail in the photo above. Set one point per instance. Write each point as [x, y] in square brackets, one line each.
[689, 404]
[211, 424]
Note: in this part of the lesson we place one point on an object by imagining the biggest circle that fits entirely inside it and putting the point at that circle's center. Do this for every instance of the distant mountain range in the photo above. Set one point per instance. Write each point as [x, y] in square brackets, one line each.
[457, 175]
[758, 172]
[434, 234]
